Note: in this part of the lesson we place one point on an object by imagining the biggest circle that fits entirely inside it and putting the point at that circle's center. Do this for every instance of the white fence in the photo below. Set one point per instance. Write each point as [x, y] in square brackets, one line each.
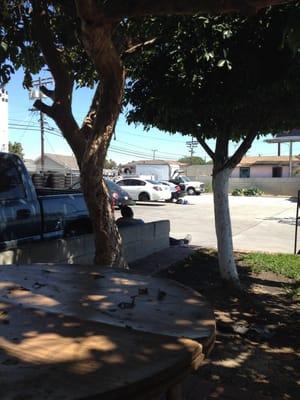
[272, 186]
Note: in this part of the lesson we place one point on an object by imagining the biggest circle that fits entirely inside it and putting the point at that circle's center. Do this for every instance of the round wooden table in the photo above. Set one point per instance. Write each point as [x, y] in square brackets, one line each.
[73, 332]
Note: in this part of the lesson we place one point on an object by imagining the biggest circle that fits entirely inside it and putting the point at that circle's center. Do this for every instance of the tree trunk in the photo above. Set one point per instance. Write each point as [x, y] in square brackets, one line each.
[223, 227]
[106, 235]
[107, 238]
[96, 34]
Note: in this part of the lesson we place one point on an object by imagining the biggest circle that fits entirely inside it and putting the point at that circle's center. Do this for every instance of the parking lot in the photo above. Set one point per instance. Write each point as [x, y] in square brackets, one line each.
[258, 223]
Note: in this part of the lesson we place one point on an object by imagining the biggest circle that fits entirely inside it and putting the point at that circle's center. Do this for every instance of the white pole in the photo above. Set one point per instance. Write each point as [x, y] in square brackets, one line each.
[290, 159]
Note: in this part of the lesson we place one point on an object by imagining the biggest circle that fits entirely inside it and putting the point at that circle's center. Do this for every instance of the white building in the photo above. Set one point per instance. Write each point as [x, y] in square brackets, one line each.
[3, 120]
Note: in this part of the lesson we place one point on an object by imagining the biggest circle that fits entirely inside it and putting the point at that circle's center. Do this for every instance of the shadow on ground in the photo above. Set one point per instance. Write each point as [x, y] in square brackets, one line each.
[256, 355]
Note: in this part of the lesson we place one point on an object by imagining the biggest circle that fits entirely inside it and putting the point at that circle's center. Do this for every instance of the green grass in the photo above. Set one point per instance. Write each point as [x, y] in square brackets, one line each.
[284, 264]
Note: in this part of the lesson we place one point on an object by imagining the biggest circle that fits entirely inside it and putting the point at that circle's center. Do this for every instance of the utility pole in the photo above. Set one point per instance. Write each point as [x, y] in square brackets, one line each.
[42, 131]
[36, 94]
[191, 145]
[154, 151]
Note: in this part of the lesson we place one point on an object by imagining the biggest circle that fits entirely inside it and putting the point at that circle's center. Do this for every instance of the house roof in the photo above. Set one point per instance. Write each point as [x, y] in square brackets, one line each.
[268, 160]
[62, 160]
[30, 164]
[155, 162]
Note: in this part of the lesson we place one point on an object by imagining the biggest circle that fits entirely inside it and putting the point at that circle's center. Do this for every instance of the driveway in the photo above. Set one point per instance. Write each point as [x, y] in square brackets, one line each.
[258, 223]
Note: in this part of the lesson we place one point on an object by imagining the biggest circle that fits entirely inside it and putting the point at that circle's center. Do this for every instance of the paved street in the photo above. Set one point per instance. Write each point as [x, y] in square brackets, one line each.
[258, 223]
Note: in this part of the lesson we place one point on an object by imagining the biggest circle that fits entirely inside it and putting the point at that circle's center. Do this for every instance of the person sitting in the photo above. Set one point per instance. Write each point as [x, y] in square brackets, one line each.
[127, 218]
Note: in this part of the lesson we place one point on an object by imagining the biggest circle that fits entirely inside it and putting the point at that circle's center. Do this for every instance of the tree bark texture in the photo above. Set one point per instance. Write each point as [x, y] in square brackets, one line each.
[96, 35]
[227, 264]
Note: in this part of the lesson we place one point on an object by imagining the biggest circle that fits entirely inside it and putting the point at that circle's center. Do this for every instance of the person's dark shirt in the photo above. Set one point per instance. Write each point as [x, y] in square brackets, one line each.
[127, 221]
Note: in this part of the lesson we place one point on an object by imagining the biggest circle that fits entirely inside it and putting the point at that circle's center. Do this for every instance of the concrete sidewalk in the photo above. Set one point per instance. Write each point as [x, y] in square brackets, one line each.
[258, 223]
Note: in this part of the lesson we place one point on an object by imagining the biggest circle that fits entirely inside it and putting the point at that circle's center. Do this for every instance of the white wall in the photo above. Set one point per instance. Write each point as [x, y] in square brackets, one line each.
[272, 186]
[261, 171]
[3, 120]
[160, 172]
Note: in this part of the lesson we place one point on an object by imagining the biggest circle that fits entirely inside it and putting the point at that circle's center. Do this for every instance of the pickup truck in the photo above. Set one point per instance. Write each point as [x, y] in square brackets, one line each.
[188, 186]
[28, 214]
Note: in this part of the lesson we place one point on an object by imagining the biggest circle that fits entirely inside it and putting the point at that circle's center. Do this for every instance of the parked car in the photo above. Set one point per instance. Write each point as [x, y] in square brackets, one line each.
[176, 191]
[189, 186]
[118, 196]
[145, 189]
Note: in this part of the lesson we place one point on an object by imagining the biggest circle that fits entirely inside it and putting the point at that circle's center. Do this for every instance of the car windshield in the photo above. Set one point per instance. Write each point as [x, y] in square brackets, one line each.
[153, 182]
[185, 179]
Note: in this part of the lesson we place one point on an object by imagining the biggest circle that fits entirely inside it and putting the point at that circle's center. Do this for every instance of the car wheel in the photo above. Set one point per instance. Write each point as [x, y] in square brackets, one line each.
[190, 191]
[144, 197]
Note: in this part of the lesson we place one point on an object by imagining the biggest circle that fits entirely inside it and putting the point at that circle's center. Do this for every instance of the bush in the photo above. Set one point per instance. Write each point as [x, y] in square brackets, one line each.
[237, 192]
[247, 192]
[253, 192]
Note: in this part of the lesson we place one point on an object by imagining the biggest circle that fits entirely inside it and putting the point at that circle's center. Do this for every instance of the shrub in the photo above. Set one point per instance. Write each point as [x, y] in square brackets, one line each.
[253, 192]
[237, 192]
[247, 192]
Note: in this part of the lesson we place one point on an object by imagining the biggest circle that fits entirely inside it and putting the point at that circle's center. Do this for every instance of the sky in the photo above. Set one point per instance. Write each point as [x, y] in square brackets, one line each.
[130, 142]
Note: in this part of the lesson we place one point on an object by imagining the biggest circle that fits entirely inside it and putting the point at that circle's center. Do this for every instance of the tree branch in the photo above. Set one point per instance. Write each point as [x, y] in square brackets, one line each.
[206, 148]
[49, 93]
[241, 151]
[60, 111]
[116, 9]
[44, 108]
[44, 36]
[97, 40]
[88, 123]
[138, 46]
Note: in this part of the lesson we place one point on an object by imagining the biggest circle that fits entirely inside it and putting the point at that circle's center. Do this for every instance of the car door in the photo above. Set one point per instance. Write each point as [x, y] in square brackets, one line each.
[136, 186]
[129, 187]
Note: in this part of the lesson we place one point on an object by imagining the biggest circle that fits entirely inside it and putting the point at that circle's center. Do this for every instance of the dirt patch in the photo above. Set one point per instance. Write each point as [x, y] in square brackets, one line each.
[256, 354]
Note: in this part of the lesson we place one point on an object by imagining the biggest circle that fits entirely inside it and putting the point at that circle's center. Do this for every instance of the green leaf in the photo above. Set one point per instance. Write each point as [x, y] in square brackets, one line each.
[4, 46]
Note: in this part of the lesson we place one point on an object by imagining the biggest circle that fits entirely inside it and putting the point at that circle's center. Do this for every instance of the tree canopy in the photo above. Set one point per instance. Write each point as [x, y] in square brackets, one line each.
[221, 77]
[206, 76]
[110, 164]
[16, 147]
[194, 160]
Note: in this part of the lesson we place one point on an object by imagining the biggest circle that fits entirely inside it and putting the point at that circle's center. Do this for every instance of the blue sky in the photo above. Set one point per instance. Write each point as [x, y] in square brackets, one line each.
[132, 143]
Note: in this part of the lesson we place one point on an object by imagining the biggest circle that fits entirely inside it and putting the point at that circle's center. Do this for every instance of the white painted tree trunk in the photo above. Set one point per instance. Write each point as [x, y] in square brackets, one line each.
[223, 227]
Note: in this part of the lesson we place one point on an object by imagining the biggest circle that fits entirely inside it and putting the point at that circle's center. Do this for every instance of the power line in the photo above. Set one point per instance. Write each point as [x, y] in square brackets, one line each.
[53, 131]
[152, 138]
[49, 144]
[160, 152]
[35, 129]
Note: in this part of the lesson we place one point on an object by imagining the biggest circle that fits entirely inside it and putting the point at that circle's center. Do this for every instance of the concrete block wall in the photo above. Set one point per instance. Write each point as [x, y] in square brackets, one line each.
[138, 242]
[142, 240]
[271, 186]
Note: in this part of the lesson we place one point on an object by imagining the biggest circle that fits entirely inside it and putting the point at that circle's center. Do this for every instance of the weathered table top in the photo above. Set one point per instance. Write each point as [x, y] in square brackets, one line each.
[71, 332]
